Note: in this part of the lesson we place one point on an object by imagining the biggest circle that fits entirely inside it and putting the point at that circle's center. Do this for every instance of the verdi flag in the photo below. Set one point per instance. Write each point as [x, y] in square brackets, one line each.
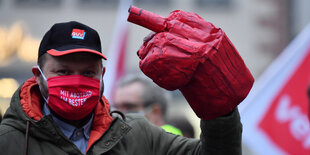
[115, 65]
[275, 113]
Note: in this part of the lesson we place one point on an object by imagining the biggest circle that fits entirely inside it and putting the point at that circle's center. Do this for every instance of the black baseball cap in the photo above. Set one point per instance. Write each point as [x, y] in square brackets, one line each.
[70, 37]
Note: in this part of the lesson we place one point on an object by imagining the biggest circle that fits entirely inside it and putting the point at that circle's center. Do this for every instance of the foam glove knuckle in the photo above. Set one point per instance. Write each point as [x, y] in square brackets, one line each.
[170, 60]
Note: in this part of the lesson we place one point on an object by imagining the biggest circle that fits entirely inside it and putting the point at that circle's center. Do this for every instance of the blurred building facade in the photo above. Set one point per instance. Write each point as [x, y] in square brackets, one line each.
[259, 29]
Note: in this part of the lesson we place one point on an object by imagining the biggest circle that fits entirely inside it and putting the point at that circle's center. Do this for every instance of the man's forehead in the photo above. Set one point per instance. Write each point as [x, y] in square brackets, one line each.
[78, 59]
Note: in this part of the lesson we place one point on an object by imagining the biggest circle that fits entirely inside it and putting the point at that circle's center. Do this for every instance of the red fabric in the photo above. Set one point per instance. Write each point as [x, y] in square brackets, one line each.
[101, 122]
[73, 97]
[141, 17]
[194, 56]
[76, 50]
[30, 101]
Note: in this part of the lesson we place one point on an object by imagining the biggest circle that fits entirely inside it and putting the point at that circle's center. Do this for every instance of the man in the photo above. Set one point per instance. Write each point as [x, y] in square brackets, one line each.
[137, 94]
[61, 109]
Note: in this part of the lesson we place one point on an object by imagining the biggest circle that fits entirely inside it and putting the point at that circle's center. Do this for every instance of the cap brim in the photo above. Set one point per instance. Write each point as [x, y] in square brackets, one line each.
[55, 52]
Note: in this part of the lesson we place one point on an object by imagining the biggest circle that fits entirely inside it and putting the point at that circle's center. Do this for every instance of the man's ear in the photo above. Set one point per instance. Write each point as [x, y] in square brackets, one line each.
[102, 82]
[36, 73]
[103, 71]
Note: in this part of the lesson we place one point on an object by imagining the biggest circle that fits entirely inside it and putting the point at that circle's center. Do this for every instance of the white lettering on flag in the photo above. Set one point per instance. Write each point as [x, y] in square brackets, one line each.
[298, 121]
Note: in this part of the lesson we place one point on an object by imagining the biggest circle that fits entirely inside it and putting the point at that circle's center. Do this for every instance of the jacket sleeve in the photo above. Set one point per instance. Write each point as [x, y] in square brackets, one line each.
[220, 136]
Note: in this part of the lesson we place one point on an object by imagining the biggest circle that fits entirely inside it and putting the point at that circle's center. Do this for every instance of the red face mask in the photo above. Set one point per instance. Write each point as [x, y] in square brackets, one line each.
[72, 97]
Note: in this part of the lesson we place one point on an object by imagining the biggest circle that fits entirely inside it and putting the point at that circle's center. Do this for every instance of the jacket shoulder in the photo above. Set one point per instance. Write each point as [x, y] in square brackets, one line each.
[137, 120]
[134, 118]
[138, 125]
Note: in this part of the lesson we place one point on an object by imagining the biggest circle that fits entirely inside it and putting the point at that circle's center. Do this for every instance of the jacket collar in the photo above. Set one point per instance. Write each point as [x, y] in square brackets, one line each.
[118, 129]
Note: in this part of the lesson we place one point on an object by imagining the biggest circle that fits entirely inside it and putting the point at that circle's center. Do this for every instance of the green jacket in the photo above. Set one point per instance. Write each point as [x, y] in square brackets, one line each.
[130, 136]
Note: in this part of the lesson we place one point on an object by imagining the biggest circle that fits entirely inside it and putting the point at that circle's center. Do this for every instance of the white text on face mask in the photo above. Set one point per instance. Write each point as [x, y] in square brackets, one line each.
[74, 98]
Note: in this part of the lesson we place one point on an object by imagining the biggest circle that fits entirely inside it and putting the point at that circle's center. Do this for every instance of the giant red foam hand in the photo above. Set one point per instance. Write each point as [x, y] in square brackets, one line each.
[192, 55]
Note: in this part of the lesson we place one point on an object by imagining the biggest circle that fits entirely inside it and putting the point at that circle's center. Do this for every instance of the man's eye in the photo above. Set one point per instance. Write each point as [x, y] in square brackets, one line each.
[62, 72]
[131, 106]
[89, 73]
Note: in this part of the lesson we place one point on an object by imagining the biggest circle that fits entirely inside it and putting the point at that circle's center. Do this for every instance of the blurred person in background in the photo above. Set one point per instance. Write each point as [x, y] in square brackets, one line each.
[138, 94]
[181, 122]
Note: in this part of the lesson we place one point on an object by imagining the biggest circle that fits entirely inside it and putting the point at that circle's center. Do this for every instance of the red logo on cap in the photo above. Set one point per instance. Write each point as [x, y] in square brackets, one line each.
[78, 34]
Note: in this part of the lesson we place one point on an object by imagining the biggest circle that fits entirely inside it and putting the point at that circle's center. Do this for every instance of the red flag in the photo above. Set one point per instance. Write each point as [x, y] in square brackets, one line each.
[275, 115]
[115, 66]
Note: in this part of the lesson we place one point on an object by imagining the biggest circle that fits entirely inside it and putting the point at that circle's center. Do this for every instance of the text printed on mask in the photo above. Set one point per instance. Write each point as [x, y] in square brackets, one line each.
[75, 98]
